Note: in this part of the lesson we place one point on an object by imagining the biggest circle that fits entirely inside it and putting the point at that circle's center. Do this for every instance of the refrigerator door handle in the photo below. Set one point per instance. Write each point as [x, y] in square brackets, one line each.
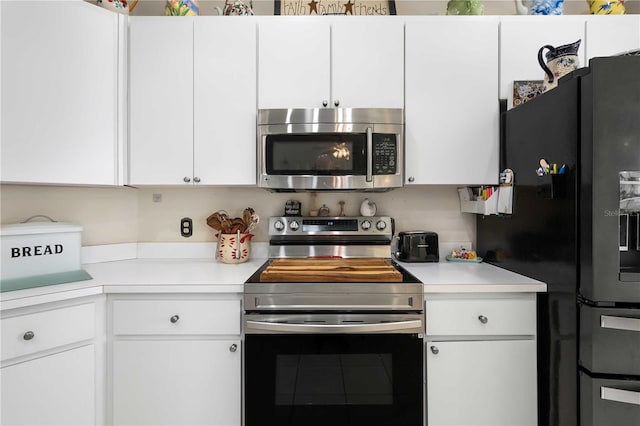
[620, 395]
[620, 323]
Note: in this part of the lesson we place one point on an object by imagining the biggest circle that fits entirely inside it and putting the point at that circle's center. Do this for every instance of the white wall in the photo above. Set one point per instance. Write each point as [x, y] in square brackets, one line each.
[115, 215]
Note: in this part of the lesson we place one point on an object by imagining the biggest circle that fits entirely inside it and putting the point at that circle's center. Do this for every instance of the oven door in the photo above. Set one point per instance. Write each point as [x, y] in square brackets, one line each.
[343, 379]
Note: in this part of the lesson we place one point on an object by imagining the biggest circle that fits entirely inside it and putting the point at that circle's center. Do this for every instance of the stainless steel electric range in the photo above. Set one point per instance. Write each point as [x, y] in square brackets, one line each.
[333, 328]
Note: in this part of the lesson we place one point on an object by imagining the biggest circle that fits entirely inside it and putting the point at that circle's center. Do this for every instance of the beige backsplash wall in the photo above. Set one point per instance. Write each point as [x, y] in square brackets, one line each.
[108, 215]
[116, 215]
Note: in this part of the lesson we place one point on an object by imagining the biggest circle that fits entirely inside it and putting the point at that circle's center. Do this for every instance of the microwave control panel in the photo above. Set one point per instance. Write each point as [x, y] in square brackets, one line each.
[385, 154]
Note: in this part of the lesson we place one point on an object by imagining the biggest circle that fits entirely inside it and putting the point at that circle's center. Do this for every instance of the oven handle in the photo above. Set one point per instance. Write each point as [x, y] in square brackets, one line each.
[369, 154]
[334, 328]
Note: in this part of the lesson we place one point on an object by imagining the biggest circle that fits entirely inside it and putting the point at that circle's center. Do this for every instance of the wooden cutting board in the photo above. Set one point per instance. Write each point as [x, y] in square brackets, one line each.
[330, 270]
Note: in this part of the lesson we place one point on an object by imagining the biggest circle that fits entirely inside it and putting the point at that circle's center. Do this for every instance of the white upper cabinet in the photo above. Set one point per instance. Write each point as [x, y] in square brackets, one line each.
[192, 94]
[612, 34]
[367, 59]
[225, 100]
[294, 66]
[59, 93]
[452, 108]
[354, 62]
[160, 100]
[522, 36]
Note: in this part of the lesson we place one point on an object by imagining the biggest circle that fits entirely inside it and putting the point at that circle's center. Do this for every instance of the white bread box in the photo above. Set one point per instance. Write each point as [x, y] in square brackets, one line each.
[40, 248]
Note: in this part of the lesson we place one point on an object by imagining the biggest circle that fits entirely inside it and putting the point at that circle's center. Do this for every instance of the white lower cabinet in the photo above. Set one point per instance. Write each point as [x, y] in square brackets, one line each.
[175, 360]
[176, 382]
[52, 364]
[58, 389]
[481, 360]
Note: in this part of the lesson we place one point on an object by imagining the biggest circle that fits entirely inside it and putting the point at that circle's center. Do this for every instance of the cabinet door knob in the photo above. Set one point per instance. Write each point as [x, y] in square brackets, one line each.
[325, 103]
[196, 179]
[411, 179]
[174, 319]
[233, 348]
[336, 102]
[187, 179]
[29, 335]
[483, 319]
[434, 350]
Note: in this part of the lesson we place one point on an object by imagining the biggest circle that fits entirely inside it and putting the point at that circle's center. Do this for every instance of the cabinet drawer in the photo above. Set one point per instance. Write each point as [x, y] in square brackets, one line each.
[481, 317]
[157, 317]
[26, 334]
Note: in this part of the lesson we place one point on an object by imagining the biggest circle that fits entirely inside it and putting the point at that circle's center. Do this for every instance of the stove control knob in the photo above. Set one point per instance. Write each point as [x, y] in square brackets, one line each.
[279, 225]
[365, 225]
[381, 225]
[294, 225]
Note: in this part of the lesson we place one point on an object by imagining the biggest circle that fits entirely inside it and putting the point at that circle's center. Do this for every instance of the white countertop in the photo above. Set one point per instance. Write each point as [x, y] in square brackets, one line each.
[458, 277]
[205, 275]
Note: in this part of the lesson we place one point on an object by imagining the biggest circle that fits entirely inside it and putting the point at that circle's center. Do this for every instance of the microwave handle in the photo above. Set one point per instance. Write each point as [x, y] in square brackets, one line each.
[369, 154]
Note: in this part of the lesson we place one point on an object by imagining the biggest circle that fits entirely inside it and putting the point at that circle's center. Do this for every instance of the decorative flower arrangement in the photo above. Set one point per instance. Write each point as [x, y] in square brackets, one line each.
[182, 8]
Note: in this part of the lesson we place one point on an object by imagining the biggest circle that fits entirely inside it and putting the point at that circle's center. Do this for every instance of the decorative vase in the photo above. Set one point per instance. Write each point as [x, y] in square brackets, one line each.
[606, 7]
[234, 248]
[465, 7]
[561, 60]
[120, 6]
[182, 8]
[540, 7]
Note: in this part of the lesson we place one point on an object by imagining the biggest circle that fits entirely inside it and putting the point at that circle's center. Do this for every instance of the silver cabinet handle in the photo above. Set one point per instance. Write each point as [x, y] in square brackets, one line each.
[336, 102]
[196, 179]
[620, 395]
[187, 179]
[325, 103]
[483, 319]
[369, 154]
[411, 179]
[233, 348]
[434, 350]
[332, 328]
[29, 335]
[174, 319]
[620, 323]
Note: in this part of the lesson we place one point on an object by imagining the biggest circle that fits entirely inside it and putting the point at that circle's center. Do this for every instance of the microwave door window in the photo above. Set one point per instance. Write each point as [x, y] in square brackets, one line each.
[321, 154]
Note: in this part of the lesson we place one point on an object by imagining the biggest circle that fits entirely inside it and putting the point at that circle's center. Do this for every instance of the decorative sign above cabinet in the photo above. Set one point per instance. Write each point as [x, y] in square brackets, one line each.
[334, 7]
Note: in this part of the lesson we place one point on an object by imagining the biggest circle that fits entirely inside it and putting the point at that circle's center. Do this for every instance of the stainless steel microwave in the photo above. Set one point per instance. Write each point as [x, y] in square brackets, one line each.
[330, 149]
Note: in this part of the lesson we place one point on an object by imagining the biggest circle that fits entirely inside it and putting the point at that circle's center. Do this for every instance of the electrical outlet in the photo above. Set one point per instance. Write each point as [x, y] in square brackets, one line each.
[186, 227]
[156, 198]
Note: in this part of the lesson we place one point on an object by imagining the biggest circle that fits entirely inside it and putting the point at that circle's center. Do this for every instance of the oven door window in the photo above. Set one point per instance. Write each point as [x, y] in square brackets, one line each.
[330, 154]
[348, 380]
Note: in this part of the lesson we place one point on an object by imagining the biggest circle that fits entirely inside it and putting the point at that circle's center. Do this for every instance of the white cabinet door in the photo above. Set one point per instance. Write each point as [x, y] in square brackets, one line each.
[160, 100]
[612, 34]
[293, 62]
[57, 389]
[182, 382]
[367, 57]
[59, 93]
[522, 36]
[452, 110]
[225, 100]
[481, 383]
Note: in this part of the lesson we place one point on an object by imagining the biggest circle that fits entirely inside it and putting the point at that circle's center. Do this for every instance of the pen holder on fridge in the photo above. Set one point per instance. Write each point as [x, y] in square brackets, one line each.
[233, 248]
[498, 200]
[553, 186]
[473, 201]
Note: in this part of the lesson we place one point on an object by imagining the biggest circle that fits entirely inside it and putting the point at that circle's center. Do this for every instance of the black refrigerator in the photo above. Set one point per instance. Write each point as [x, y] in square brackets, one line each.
[578, 230]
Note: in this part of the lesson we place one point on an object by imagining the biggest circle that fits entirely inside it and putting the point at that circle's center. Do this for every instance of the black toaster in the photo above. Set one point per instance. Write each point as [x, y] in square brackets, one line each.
[417, 246]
